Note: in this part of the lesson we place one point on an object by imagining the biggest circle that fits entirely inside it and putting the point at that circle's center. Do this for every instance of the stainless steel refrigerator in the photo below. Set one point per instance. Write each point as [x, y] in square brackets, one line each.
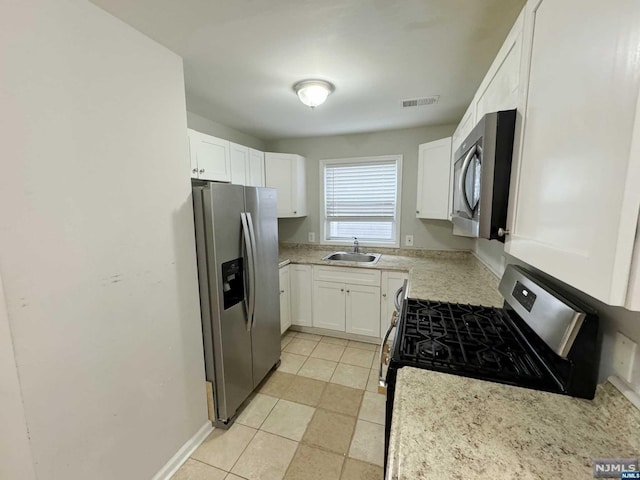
[237, 249]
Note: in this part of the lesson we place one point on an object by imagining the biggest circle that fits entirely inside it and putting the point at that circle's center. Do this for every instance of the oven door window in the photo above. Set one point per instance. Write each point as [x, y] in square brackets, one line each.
[472, 175]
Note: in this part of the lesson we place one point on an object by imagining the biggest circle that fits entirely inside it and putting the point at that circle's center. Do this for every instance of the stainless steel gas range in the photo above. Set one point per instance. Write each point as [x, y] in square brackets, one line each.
[540, 339]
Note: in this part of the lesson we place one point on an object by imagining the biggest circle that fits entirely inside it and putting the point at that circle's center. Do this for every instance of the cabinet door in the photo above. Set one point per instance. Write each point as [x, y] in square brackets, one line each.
[239, 163]
[286, 173]
[391, 282]
[211, 156]
[192, 154]
[329, 305]
[434, 171]
[255, 177]
[285, 299]
[363, 310]
[300, 281]
[281, 175]
[577, 206]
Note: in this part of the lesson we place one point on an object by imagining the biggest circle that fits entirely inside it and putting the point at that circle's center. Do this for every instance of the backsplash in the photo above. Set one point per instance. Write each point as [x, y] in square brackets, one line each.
[405, 252]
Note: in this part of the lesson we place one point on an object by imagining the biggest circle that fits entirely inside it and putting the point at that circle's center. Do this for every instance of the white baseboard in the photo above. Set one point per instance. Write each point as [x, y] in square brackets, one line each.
[181, 456]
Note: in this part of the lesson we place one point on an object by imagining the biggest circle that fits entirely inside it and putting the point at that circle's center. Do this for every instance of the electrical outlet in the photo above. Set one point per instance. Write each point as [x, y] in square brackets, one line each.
[312, 236]
[408, 240]
[624, 352]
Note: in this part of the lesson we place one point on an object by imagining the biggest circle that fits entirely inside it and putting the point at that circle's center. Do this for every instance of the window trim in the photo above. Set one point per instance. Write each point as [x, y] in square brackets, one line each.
[370, 159]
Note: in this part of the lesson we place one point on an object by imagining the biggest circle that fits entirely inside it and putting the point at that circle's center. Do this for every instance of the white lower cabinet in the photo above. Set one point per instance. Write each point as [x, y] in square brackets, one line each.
[285, 299]
[347, 300]
[343, 299]
[329, 305]
[390, 283]
[362, 309]
[300, 281]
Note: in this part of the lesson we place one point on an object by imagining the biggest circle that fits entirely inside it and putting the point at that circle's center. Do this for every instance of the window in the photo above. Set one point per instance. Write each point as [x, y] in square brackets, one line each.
[360, 198]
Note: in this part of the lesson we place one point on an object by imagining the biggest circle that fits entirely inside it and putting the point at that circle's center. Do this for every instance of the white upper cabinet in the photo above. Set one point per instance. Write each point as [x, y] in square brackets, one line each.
[500, 89]
[286, 173]
[578, 196]
[239, 163]
[434, 173]
[255, 173]
[247, 166]
[464, 128]
[210, 158]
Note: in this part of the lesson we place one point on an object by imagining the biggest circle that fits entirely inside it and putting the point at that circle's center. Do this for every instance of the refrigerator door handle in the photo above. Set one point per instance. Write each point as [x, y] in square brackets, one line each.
[254, 259]
[250, 297]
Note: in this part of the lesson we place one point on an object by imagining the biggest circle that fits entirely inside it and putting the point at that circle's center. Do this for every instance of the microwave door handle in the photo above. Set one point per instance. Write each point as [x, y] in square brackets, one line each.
[463, 177]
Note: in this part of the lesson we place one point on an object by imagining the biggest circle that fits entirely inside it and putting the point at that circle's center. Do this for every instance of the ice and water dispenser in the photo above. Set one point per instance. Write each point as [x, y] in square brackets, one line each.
[232, 283]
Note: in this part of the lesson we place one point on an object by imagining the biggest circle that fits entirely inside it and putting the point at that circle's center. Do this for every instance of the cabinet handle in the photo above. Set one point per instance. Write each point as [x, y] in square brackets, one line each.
[281, 291]
[195, 170]
[342, 289]
[384, 295]
[295, 212]
[347, 291]
[417, 211]
[202, 170]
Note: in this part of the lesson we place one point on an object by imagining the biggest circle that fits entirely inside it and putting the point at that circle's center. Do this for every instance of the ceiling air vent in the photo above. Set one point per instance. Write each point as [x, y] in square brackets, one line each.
[419, 102]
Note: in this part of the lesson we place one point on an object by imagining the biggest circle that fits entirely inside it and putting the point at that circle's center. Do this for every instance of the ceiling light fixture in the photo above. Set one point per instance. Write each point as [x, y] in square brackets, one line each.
[313, 92]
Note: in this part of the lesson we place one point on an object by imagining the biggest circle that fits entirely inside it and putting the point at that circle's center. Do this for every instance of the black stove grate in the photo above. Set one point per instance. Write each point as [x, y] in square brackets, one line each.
[465, 339]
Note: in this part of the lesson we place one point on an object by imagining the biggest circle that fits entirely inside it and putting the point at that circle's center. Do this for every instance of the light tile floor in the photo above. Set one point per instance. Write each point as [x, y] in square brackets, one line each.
[318, 417]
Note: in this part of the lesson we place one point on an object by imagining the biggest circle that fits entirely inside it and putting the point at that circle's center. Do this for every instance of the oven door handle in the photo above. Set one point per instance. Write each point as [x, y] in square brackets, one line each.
[396, 298]
[384, 356]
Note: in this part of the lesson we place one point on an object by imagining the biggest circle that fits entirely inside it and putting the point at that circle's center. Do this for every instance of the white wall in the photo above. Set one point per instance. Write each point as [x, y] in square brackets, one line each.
[97, 248]
[429, 234]
[612, 319]
[204, 125]
[15, 452]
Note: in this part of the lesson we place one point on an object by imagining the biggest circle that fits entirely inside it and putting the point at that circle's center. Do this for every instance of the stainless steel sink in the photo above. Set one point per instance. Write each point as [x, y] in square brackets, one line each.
[354, 257]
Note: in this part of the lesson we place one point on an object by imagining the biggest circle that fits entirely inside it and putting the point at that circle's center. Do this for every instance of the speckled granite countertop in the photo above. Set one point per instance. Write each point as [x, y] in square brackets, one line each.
[447, 276]
[450, 427]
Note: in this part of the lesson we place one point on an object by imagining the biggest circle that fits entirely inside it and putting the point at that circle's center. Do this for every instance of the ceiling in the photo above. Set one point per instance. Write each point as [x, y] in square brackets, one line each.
[242, 57]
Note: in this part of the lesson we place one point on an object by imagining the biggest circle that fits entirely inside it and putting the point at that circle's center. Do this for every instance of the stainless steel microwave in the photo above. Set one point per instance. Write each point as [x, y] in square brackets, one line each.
[482, 172]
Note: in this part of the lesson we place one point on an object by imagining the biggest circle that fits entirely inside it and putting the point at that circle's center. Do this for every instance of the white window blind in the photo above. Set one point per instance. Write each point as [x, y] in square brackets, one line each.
[361, 200]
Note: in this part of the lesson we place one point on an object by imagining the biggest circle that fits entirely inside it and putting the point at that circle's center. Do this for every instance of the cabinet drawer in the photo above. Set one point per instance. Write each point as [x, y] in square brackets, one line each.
[356, 276]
